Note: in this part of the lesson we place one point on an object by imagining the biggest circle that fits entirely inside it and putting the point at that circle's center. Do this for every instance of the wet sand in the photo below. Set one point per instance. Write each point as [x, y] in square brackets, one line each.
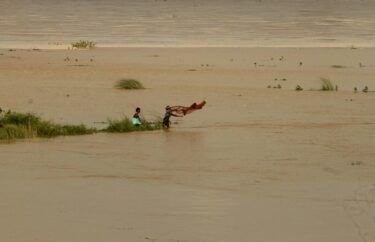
[256, 164]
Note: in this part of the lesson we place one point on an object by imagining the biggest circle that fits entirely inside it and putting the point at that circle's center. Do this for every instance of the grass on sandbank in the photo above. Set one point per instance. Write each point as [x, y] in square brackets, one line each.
[129, 83]
[14, 125]
[125, 125]
[83, 44]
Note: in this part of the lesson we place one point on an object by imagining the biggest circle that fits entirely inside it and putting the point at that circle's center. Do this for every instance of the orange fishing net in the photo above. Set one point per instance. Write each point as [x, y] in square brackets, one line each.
[186, 110]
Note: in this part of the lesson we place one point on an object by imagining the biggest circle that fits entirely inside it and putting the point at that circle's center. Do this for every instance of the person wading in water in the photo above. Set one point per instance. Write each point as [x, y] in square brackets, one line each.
[167, 116]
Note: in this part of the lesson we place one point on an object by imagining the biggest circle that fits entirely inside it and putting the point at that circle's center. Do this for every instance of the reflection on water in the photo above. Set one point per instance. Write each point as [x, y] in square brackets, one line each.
[187, 23]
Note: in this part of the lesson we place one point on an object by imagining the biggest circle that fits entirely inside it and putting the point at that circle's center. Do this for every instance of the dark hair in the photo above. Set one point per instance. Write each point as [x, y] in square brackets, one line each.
[138, 109]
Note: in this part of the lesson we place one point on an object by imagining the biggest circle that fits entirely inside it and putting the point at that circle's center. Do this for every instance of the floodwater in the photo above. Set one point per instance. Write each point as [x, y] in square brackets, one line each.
[256, 164]
[47, 23]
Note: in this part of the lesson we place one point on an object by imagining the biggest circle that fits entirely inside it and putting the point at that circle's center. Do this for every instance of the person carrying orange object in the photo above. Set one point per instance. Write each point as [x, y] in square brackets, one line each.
[186, 110]
[180, 111]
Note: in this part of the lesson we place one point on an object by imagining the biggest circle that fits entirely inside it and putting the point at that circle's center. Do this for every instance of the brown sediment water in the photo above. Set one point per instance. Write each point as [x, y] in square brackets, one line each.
[255, 164]
[55, 24]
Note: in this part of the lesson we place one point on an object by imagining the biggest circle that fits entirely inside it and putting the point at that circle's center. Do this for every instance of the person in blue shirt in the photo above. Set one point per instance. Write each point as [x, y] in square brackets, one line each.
[136, 120]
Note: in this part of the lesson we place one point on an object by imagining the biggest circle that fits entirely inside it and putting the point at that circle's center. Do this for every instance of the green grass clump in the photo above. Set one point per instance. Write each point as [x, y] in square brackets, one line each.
[126, 125]
[12, 131]
[83, 44]
[128, 84]
[20, 119]
[49, 129]
[327, 85]
[15, 125]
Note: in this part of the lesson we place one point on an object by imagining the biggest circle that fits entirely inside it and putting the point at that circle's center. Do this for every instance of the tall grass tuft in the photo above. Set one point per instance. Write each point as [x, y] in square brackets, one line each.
[12, 131]
[327, 85]
[125, 125]
[128, 84]
[83, 44]
[24, 119]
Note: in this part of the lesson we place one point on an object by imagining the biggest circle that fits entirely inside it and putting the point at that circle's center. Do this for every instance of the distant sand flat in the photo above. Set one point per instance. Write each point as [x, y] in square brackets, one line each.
[256, 164]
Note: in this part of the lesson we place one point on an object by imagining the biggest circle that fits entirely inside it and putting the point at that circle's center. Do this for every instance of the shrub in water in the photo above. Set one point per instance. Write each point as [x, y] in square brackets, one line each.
[26, 119]
[327, 85]
[299, 88]
[128, 84]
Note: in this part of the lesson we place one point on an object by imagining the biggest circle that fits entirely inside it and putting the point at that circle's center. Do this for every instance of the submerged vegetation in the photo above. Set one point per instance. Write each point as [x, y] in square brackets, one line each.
[338, 66]
[84, 44]
[298, 88]
[126, 125]
[129, 83]
[14, 125]
[327, 85]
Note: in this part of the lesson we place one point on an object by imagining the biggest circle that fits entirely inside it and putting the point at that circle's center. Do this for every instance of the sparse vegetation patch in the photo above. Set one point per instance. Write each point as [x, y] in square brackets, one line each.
[327, 85]
[299, 88]
[83, 44]
[338, 66]
[15, 125]
[129, 83]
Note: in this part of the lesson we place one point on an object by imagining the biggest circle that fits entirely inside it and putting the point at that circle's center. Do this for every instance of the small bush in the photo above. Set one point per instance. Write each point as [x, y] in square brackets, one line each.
[128, 84]
[83, 44]
[25, 119]
[299, 88]
[327, 85]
